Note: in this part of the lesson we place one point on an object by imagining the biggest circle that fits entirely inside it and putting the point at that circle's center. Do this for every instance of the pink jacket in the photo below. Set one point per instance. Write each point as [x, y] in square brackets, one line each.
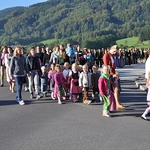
[59, 79]
[103, 86]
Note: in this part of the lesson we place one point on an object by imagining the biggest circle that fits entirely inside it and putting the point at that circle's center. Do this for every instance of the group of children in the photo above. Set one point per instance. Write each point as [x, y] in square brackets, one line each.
[65, 81]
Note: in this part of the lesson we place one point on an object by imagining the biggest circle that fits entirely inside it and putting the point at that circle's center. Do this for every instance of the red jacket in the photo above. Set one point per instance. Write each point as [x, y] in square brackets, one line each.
[107, 61]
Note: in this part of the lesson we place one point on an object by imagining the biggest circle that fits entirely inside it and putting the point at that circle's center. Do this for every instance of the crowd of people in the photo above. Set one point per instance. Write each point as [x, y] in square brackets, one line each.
[67, 73]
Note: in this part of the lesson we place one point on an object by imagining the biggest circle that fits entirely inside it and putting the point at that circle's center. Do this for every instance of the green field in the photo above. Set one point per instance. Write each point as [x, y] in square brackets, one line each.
[133, 42]
[122, 43]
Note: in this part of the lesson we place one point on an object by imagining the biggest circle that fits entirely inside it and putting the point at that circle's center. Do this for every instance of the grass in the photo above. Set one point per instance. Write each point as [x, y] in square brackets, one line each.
[50, 41]
[133, 42]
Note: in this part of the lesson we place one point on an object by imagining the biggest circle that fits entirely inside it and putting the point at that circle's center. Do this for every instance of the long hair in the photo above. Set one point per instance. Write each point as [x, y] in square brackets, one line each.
[15, 51]
[32, 47]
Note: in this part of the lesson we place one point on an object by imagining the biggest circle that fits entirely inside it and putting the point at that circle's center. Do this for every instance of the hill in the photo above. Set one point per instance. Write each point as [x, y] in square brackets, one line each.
[7, 11]
[93, 22]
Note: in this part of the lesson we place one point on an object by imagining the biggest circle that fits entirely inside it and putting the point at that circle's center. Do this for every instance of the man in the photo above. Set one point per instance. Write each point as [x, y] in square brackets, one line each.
[108, 59]
[70, 52]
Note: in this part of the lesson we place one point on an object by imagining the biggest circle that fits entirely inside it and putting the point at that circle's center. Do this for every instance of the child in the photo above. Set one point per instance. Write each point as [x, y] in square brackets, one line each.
[74, 83]
[59, 91]
[85, 83]
[66, 75]
[44, 81]
[104, 89]
[94, 78]
[148, 98]
[51, 79]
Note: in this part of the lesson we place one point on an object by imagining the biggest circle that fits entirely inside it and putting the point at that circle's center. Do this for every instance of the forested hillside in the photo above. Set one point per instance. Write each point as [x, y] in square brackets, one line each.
[100, 21]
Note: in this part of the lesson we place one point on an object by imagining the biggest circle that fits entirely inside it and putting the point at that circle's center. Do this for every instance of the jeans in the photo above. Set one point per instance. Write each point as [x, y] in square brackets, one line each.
[2, 68]
[19, 83]
[34, 77]
[43, 88]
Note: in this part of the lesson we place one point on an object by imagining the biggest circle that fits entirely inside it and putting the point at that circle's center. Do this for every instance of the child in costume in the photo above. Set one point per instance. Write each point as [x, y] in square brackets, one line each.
[94, 79]
[85, 83]
[75, 90]
[104, 89]
[59, 90]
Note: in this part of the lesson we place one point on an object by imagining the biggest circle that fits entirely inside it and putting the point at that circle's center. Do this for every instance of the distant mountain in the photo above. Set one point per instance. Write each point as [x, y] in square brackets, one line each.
[7, 11]
[102, 21]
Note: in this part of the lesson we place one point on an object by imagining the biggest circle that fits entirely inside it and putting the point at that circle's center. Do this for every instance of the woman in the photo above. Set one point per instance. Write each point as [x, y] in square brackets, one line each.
[17, 71]
[46, 57]
[89, 59]
[61, 57]
[54, 55]
[8, 57]
[2, 64]
[34, 71]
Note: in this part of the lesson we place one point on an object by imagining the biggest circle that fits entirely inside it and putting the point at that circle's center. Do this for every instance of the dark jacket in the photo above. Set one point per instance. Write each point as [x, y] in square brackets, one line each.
[18, 66]
[33, 63]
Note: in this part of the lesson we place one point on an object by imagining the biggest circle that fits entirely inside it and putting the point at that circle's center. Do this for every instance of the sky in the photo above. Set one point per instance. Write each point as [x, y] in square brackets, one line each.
[12, 3]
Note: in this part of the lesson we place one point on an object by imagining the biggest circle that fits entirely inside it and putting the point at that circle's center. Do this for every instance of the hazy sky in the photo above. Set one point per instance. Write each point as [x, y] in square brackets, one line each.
[12, 3]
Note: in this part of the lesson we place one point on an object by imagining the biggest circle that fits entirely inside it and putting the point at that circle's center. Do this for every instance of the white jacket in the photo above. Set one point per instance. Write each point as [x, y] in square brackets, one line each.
[85, 79]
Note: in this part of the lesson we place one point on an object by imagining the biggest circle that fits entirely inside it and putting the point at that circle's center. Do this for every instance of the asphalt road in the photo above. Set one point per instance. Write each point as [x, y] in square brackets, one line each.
[45, 125]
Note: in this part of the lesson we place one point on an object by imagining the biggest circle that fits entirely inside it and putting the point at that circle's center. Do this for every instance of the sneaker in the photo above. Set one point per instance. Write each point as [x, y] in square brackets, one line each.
[52, 95]
[75, 100]
[21, 102]
[44, 95]
[105, 113]
[2, 85]
[143, 117]
[31, 96]
[38, 97]
[59, 102]
[25, 89]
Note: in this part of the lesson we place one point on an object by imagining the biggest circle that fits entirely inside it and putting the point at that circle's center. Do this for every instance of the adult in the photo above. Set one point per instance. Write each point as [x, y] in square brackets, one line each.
[70, 52]
[46, 57]
[147, 64]
[34, 72]
[2, 64]
[100, 57]
[54, 55]
[17, 71]
[79, 56]
[89, 59]
[39, 54]
[8, 57]
[108, 59]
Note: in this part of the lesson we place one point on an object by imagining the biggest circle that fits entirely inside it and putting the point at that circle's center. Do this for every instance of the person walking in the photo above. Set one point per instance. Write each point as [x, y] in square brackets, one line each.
[2, 64]
[108, 59]
[17, 72]
[34, 72]
[147, 110]
[8, 57]
[104, 89]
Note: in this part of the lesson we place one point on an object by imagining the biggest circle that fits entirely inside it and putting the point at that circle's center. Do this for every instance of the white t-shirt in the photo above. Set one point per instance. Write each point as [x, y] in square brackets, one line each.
[112, 60]
[70, 73]
[66, 72]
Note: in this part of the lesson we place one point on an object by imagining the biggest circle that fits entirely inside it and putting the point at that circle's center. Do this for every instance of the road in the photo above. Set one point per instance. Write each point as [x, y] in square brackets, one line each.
[45, 125]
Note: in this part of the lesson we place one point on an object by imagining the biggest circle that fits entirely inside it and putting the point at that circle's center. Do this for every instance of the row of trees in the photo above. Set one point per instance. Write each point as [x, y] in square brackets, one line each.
[96, 22]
